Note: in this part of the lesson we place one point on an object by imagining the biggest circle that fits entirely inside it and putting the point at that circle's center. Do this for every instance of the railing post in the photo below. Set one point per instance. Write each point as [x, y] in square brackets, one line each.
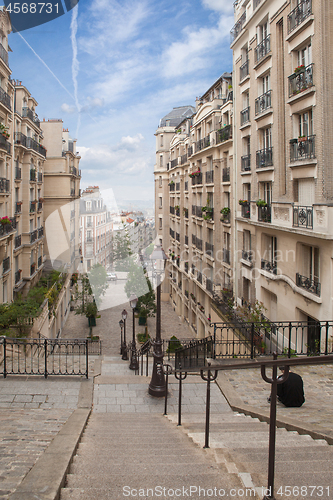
[87, 357]
[45, 356]
[180, 376]
[167, 371]
[326, 339]
[252, 340]
[214, 351]
[4, 358]
[289, 343]
[209, 378]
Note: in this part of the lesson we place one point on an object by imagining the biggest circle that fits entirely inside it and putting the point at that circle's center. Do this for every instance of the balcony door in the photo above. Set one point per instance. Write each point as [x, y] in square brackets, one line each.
[310, 262]
[304, 56]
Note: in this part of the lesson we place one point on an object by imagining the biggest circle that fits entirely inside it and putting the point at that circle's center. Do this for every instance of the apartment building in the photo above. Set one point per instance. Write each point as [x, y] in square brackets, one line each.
[199, 173]
[282, 150]
[95, 230]
[62, 177]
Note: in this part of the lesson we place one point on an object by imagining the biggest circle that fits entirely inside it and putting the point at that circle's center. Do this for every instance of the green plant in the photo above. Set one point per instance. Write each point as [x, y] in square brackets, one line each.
[225, 211]
[174, 344]
[292, 352]
[299, 68]
[5, 220]
[91, 310]
[143, 337]
[261, 203]
[242, 202]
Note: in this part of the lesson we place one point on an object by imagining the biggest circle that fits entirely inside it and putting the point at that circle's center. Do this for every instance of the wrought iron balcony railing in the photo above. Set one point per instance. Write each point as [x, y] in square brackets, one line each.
[17, 241]
[226, 174]
[300, 80]
[197, 179]
[172, 210]
[40, 232]
[186, 242]
[303, 217]
[199, 276]
[265, 158]
[172, 186]
[185, 211]
[237, 28]
[40, 261]
[18, 173]
[263, 102]
[33, 236]
[244, 70]
[4, 144]
[224, 134]
[245, 116]
[209, 285]
[8, 228]
[32, 144]
[226, 255]
[246, 163]
[20, 138]
[6, 265]
[178, 237]
[190, 151]
[18, 207]
[262, 49]
[174, 163]
[202, 144]
[183, 159]
[209, 249]
[198, 244]
[266, 265]
[246, 211]
[247, 255]
[309, 284]
[210, 177]
[172, 233]
[32, 174]
[302, 148]
[3, 54]
[33, 206]
[17, 277]
[4, 185]
[32, 269]
[5, 98]
[177, 186]
[39, 177]
[264, 214]
[186, 186]
[297, 15]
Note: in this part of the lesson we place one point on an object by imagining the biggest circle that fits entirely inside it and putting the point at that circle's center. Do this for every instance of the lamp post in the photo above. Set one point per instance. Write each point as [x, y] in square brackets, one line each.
[157, 383]
[121, 324]
[124, 350]
[134, 365]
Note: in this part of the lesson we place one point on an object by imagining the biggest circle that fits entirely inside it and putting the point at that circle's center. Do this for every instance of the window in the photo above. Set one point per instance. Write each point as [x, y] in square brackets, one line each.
[160, 223]
[310, 262]
[88, 206]
[265, 84]
[161, 141]
[262, 31]
[305, 124]
[160, 181]
[265, 192]
[247, 192]
[160, 202]
[304, 56]
[246, 254]
[267, 138]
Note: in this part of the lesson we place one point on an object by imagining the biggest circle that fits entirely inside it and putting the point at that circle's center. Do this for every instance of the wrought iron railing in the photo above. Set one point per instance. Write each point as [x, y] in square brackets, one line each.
[183, 159]
[245, 116]
[224, 134]
[246, 163]
[4, 185]
[4, 144]
[262, 49]
[237, 28]
[177, 237]
[18, 207]
[177, 186]
[303, 217]
[263, 102]
[172, 186]
[226, 174]
[269, 266]
[265, 158]
[40, 232]
[247, 255]
[39, 177]
[246, 210]
[209, 285]
[299, 13]
[195, 354]
[33, 236]
[301, 79]
[186, 239]
[309, 284]
[302, 148]
[17, 241]
[32, 269]
[186, 186]
[209, 176]
[198, 244]
[202, 144]
[172, 233]
[172, 210]
[244, 70]
[33, 206]
[199, 277]
[18, 173]
[209, 249]
[197, 179]
[8, 228]
[18, 276]
[174, 163]
[5, 98]
[264, 213]
[185, 211]
[5, 265]
[226, 255]
[20, 138]
[3, 54]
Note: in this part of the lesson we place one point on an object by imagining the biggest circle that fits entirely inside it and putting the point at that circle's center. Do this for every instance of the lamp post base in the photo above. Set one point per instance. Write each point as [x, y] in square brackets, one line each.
[157, 384]
[134, 364]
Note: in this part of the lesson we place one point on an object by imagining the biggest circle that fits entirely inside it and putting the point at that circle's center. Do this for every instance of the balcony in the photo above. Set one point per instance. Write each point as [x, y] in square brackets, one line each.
[185, 211]
[266, 265]
[264, 214]
[237, 28]
[224, 134]
[197, 179]
[297, 15]
[4, 185]
[246, 210]
[210, 177]
[309, 284]
[6, 265]
[172, 210]
[174, 163]
[190, 151]
[178, 237]
[303, 217]
[263, 102]
[300, 80]
[32, 144]
[17, 241]
[256, 3]
[32, 269]
[186, 271]
[40, 261]
[193, 239]
[172, 186]
[202, 144]
[39, 177]
[246, 163]
[209, 285]
[186, 240]
[3, 54]
[4, 144]
[33, 236]
[18, 207]
[18, 173]
[183, 159]
[199, 277]
[225, 218]
[8, 228]
[226, 174]
[207, 213]
[197, 210]
[186, 186]
[32, 175]
[20, 139]
[33, 206]
[177, 186]
[265, 158]
[302, 148]
[226, 255]
[245, 116]
[209, 249]
[18, 276]
[262, 49]
[172, 233]
[5, 98]
[40, 232]
[244, 70]
[247, 255]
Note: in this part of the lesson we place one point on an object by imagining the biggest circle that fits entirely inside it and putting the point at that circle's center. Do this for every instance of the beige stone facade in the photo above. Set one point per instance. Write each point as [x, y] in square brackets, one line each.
[283, 150]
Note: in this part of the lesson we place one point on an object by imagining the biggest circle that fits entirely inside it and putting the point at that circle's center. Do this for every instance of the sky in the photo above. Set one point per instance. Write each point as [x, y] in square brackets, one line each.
[112, 69]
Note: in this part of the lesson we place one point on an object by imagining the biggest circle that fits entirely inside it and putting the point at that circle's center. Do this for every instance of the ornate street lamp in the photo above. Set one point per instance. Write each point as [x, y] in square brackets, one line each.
[134, 365]
[157, 383]
[121, 324]
[124, 349]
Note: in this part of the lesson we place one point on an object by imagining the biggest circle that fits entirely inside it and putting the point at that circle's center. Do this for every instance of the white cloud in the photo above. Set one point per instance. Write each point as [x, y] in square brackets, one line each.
[66, 108]
[225, 6]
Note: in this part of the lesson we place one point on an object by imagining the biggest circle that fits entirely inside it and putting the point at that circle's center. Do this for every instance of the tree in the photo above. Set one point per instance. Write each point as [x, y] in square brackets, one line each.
[139, 284]
[98, 282]
[122, 251]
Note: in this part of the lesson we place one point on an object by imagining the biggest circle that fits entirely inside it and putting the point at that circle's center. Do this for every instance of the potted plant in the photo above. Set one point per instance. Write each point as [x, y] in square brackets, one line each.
[302, 138]
[171, 183]
[225, 211]
[243, 202]
[298, 69]
[262, 347]
[5, 221]
[91, 313]
[293, 141]
[261, 203]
